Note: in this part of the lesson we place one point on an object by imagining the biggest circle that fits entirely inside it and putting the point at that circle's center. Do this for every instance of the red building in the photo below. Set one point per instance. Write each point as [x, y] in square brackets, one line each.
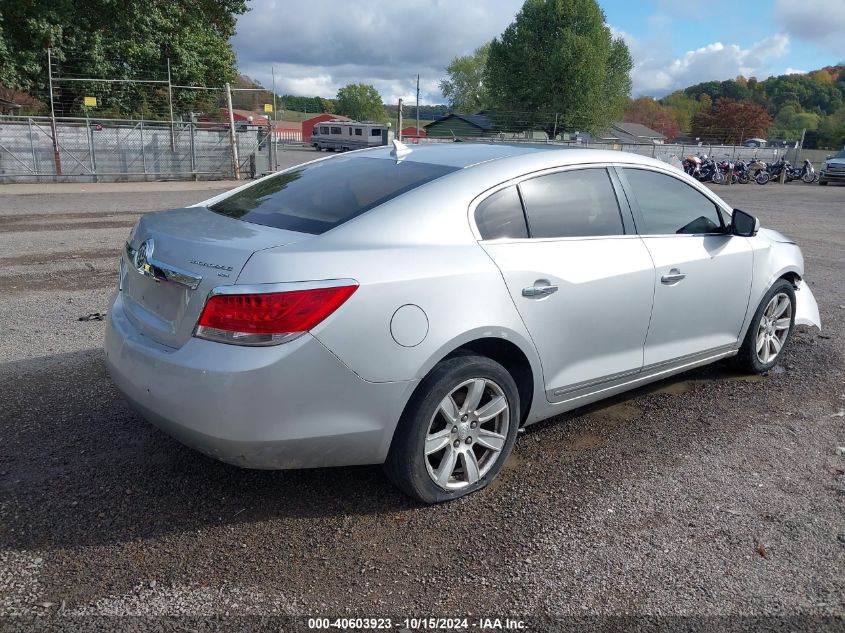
[413, 132]
[308, 125]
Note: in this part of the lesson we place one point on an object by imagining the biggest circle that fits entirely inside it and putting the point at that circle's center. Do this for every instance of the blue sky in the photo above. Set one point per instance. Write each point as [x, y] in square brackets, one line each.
[674, 43]
[690, 41]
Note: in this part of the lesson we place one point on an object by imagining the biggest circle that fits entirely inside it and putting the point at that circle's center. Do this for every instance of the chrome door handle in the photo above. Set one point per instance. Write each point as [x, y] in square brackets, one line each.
[673, 277]
[538, 291]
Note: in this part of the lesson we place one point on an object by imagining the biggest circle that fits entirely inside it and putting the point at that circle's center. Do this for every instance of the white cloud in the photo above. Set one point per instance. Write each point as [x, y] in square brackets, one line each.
[321, 45]
[717, 61]
[794, 71]
[821, 22]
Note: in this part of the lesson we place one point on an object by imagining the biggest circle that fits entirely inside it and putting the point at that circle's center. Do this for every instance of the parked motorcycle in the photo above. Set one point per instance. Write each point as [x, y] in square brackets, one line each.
[756, 168]
[741, 172]
[805, 173]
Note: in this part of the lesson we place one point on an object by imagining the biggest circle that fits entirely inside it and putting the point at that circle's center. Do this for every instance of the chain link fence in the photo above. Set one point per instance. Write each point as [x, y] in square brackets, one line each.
[125, 150]
[114, 150]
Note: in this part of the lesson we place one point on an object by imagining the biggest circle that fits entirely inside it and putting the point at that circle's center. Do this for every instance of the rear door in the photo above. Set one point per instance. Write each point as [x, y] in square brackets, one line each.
[703, 279]
[580, 277]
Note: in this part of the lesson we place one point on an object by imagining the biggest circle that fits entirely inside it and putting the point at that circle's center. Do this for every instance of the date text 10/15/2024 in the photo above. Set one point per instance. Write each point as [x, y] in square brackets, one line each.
[446, 624]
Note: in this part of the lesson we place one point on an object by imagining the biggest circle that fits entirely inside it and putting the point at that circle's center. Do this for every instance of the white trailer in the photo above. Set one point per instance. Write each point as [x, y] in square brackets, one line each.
[347, 135]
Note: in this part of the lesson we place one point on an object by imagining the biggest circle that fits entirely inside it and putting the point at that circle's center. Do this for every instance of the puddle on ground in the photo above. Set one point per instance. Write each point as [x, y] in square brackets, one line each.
[683, 386]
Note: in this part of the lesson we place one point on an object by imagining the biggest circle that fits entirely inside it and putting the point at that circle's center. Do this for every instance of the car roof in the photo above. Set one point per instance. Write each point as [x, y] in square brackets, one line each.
[466, 155]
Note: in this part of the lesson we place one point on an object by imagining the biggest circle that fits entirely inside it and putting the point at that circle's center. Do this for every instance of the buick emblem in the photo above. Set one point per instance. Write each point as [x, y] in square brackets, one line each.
[145, 252]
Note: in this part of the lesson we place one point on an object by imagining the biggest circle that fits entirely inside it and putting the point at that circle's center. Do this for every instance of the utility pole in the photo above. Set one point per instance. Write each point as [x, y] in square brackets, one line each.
[418, 106]
[273, 70]
[170, 102]
[273, 148]
[236, 171]
[57, 158]
[399, 130]
[801, 145]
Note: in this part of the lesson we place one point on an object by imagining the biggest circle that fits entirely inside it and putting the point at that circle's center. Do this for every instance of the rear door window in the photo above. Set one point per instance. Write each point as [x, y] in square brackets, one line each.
[576, 203]
[320, 196]
[501, 216]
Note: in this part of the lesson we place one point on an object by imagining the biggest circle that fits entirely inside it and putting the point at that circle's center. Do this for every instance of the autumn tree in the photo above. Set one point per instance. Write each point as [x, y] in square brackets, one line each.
[682, 108]
[559, 56]
[464, 87]
[730, 122]
[652, 114]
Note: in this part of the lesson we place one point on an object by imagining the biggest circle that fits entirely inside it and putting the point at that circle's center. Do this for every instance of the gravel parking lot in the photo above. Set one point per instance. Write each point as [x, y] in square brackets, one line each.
[707, 494]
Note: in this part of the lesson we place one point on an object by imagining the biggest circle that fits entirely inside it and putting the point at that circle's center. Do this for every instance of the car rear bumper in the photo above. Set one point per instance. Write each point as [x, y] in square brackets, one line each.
[294, 405]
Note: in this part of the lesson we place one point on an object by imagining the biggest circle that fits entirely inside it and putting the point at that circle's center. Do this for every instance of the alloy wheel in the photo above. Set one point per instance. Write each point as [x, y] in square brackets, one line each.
[774, 328]
[467, 433]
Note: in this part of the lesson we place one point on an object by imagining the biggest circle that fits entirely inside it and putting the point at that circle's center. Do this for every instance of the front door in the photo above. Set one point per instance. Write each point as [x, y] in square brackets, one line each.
[582, 286]
[703, 279]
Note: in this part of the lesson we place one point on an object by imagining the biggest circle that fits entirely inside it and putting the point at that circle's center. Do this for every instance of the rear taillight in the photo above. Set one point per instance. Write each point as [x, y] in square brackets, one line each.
[270, 318]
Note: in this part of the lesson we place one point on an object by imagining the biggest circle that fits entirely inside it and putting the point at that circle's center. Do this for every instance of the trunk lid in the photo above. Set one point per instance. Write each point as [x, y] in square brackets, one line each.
[196, 250]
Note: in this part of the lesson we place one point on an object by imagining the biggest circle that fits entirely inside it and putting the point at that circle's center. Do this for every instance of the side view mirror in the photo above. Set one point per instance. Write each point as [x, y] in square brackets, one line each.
[744, 224]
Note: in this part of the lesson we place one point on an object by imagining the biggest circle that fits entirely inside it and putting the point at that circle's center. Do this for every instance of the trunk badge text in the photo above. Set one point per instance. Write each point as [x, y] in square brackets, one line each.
[217, 267]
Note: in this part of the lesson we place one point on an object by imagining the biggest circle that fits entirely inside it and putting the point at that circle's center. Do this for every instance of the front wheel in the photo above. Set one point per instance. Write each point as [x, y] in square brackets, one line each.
[763, 177]
[457, 430]
[770, 329]
[808, 177]
[717, 178]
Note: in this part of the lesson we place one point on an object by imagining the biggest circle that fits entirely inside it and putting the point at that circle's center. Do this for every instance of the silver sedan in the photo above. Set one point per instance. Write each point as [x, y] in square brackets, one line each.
[417, 307]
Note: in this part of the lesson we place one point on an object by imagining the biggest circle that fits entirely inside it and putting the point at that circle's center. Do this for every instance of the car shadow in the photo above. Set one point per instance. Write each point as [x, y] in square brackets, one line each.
[79, 467]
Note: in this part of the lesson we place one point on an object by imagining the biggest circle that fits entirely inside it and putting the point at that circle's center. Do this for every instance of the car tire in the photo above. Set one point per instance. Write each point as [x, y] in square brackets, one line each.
[431, 441]
[759, 352]
[823, 183]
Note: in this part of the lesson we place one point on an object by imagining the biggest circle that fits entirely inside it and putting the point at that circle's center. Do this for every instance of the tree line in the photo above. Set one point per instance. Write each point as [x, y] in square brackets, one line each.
[781, 107]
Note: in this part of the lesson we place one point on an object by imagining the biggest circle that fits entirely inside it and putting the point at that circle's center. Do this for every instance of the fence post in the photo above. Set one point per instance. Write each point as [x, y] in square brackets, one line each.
[143, 148]
[32, 146]
[193, 154]
[91, 156]
[57, 158]
[236, 167]
[170, 103]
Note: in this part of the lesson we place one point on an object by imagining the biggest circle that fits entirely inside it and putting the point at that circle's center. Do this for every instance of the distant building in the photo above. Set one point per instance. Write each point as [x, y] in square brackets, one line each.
[626, 133]
[755, 142]
[461, 125]
[287, 130]
[244, 116]
[414, 132]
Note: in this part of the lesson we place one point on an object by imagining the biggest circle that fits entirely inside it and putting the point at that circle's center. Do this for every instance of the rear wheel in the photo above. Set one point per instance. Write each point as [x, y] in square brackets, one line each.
[770, 329]
[457, 430]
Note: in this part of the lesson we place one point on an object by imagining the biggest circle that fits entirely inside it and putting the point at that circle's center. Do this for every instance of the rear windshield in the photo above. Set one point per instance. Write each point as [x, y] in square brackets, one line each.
[319, 197]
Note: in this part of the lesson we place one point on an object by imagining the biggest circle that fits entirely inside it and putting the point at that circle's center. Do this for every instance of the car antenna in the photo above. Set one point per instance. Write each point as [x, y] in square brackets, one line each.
[399, 149]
